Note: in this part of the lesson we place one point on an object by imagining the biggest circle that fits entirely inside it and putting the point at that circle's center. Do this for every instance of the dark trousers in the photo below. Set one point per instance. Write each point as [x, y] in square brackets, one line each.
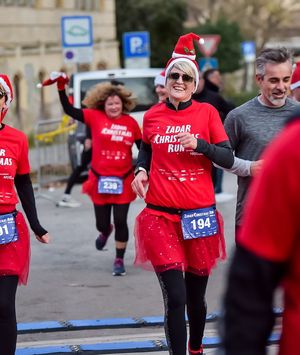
[86, 157]
[8, 322]
[103, 220]
[180, 292]
[217, 177]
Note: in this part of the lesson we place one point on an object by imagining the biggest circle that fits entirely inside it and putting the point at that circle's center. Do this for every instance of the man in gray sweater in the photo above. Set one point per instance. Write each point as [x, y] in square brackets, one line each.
[251, 126]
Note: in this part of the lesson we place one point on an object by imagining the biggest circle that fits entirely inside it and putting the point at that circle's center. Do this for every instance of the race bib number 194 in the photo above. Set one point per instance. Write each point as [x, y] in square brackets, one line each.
[199, 223]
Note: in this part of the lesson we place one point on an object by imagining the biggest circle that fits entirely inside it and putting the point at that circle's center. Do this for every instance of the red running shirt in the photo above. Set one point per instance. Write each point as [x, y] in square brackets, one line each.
[112, 154]
[271, 225]
[13, 160]
[181, 178]
[112, 142]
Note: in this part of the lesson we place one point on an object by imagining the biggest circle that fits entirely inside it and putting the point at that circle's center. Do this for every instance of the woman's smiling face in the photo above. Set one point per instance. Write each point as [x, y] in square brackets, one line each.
[113, 106]
[180, 85]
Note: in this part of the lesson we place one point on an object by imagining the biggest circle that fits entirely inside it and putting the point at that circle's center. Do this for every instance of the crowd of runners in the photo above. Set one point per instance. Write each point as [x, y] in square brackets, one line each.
[186, 141]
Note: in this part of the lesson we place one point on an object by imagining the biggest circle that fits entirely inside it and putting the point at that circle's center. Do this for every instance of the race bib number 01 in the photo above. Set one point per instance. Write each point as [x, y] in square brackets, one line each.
[8, 229]
[199, 223]
[110, 185]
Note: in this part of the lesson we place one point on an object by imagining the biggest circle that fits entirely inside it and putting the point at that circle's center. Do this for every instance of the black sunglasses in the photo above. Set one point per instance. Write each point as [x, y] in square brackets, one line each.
[185, 77]
[2, 94]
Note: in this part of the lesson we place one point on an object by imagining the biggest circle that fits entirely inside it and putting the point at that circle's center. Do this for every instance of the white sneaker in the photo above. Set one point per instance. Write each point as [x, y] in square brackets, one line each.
[67, 201]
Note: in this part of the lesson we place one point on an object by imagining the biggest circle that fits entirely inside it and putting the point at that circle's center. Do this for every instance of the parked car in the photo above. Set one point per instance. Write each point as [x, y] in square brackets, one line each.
[139, 81]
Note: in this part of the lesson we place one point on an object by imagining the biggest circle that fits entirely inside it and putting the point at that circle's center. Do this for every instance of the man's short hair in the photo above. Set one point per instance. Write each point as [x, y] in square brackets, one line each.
[272, 56]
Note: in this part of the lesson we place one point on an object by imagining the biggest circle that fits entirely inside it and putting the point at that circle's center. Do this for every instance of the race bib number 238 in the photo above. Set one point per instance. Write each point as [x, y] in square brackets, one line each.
[110, 185]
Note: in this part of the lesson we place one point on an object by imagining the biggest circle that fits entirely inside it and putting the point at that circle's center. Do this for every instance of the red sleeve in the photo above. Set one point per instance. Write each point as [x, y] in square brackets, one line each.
[91, 115]
[217, 131]
[23, 161]
[146, 129]
[271, 223]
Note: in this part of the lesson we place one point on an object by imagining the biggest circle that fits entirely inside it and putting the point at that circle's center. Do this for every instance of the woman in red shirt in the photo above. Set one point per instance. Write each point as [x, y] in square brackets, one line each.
[14, 233]
[113, 133]
[179, 234]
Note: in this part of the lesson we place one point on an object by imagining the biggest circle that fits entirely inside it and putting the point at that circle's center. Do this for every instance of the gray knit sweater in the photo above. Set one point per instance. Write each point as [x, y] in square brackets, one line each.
[250, 127]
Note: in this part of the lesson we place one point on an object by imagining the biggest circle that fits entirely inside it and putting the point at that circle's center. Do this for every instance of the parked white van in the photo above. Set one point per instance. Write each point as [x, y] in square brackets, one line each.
[139, 81]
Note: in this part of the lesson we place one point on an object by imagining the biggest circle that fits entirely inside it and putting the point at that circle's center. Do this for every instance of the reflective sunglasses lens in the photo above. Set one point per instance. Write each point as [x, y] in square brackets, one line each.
[174, 76]
[2, 94]
[187, 78]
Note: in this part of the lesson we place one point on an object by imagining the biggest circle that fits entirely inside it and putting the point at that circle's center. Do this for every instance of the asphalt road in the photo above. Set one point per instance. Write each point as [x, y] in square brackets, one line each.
[70, 279]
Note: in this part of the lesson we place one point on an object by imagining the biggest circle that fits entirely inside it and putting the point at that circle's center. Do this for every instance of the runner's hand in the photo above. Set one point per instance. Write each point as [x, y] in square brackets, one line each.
[45, 239]
[187, 140]
[255, 167]
[56, 77]
[139, 183]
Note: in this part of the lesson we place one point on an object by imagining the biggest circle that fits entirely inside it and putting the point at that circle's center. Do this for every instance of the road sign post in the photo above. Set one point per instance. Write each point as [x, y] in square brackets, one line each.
[249, 53]
[136, 49]
[77, 39]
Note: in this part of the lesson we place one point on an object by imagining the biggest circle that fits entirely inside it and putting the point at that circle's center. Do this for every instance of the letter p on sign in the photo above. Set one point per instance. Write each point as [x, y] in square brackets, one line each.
[136, 45]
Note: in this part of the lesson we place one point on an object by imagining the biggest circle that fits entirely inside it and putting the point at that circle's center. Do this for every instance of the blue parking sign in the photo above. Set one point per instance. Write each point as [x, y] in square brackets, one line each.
[249, 51]
[136, 44]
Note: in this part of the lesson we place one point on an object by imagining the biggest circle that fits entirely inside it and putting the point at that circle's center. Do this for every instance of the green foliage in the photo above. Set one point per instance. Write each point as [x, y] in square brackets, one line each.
[240, 97]
[31, 139]
[229, 49]
[162, 19]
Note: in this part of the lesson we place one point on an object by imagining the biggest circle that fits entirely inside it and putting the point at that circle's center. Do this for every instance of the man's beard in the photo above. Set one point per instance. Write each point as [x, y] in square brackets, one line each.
[277, 102]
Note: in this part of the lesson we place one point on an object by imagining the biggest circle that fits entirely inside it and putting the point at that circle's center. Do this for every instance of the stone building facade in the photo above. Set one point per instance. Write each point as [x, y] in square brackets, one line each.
[30, 48]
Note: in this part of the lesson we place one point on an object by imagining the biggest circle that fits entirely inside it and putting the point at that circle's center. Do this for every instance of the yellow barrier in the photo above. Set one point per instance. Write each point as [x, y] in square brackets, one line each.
[64, 127]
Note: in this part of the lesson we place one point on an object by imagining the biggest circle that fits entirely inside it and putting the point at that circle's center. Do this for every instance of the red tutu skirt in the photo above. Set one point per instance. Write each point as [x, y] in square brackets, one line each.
[159, 245]
[15, 256]
[90, 187]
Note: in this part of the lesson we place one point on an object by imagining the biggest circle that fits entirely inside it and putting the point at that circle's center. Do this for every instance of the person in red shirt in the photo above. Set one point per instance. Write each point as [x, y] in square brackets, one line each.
[113, 133]
[267, 254]
[179, 234]
[295, 83]
[14, 233]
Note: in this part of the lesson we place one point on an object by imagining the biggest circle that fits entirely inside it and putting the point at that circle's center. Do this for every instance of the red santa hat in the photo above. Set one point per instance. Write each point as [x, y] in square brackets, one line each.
[184, 51]
[7, 87]
[295, 82]
[160, 79]
[53, 77]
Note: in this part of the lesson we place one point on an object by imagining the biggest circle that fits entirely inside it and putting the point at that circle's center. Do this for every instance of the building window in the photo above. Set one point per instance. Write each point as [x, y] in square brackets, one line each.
[86, 5]
[28, 3]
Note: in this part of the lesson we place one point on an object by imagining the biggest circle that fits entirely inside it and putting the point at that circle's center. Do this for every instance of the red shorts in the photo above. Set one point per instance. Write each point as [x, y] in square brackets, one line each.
[160, 246]
[90, 187]
[15, 256]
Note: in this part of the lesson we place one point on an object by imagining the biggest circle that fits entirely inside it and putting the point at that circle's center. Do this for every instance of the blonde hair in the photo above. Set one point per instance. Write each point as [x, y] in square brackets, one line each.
[98, 94]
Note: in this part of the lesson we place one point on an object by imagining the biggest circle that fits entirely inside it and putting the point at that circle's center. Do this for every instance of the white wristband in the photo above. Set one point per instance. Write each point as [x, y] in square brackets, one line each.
[137, 170]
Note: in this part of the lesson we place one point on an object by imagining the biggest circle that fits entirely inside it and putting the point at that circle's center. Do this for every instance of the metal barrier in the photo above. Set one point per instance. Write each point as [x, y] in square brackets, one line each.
[51, 151]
